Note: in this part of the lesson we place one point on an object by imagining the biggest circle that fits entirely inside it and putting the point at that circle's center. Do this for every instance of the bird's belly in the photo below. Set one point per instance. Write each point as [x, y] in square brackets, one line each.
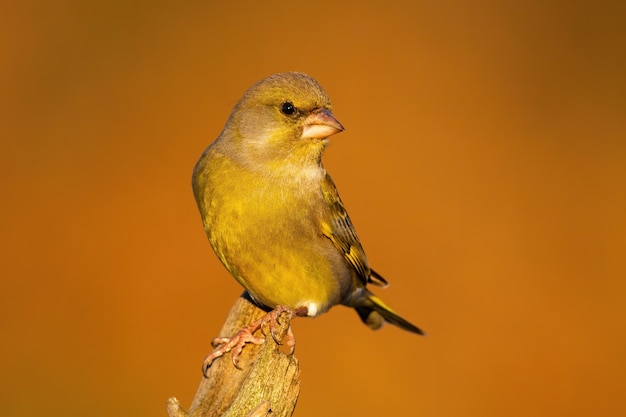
[293, 274]
[270, 240]
[284, 263]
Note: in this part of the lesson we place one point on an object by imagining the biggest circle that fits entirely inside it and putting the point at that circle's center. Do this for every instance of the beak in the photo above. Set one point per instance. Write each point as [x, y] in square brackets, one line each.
[320, 124]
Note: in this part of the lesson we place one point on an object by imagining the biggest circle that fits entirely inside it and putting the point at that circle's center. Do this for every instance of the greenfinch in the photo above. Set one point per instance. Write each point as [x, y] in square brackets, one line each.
[273, 214]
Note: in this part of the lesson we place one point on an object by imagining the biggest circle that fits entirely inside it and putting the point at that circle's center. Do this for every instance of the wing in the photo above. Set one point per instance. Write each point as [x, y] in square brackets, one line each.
[340, 231]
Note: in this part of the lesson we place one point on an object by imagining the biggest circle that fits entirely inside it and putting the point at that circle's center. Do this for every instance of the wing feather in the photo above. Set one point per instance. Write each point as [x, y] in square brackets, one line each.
[341, 232]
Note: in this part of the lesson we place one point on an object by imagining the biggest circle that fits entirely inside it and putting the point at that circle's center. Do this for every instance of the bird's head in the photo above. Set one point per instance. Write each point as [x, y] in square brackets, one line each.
[283, 119]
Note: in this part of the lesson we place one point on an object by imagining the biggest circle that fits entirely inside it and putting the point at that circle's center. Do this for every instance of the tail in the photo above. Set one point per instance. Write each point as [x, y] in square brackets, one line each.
[374, 313]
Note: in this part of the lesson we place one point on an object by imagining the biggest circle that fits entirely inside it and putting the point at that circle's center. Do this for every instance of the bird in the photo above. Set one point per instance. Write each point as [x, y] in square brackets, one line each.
[273, 215]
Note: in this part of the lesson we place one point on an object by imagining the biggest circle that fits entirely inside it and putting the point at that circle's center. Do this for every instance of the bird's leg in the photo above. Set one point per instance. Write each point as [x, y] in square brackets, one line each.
[273, 318]
[223, 345]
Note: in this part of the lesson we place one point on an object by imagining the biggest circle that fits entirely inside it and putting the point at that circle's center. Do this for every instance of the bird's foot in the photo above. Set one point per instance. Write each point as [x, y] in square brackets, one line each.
[272, 320]
[223, 345]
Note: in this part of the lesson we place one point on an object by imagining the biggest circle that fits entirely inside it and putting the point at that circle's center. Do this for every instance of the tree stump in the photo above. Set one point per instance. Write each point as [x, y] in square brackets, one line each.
[267, 383]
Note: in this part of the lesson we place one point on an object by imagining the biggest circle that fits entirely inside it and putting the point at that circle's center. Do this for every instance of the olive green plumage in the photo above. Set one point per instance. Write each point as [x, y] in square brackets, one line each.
[272, 213]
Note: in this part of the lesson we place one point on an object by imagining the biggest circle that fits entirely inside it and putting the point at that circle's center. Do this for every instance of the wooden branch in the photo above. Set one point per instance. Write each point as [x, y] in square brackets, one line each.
[267, 383]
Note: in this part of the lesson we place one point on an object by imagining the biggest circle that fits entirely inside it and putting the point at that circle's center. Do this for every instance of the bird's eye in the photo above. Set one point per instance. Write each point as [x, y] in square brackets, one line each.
[288, 108]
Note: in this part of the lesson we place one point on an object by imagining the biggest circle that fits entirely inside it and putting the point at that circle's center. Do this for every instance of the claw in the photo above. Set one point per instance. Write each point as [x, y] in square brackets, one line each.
[273, 320]
[290, 340]
[223, 345]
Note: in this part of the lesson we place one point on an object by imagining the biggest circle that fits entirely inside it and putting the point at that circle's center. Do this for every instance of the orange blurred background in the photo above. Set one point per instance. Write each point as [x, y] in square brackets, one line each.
[483, 164]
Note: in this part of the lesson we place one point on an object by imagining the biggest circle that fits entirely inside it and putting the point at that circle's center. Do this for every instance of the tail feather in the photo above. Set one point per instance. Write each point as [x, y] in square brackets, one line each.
[374, 313]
